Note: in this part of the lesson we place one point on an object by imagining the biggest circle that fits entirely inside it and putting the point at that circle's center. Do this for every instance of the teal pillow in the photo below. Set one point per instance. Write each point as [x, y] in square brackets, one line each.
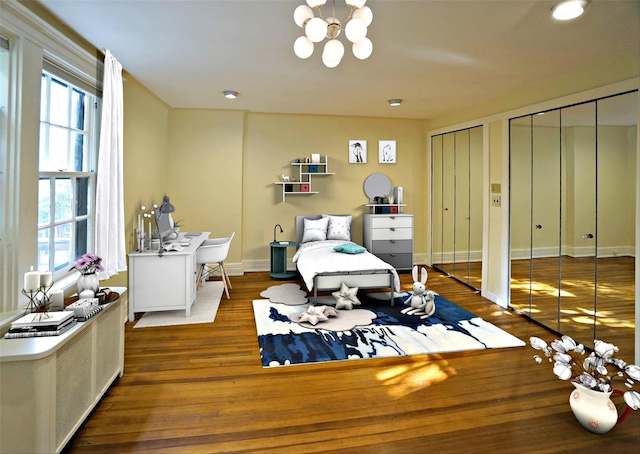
[349, 248]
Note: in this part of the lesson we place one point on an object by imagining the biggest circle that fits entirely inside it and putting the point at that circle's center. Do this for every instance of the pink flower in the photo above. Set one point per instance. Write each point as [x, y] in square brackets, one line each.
[87, 264]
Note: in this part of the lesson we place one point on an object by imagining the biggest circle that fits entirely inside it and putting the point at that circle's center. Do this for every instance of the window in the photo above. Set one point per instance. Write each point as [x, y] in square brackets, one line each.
[67, 163]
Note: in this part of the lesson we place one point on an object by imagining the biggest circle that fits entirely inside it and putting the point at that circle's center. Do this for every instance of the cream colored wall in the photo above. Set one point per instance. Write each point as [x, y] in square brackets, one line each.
[273, 141]
[493, 268]
[205, 173]
[219, 166]
[145, 157]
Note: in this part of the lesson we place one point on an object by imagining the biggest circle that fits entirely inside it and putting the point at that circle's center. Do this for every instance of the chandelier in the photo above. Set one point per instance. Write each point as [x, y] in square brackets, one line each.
[317, 28]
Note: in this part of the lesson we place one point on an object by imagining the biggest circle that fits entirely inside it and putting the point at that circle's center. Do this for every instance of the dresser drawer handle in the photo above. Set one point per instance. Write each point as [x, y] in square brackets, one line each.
[392, 255]
[392, 229]
[392, 241]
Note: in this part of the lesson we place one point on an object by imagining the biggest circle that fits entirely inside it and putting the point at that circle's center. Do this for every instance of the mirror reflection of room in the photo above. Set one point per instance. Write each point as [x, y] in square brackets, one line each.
[573, 216]
[457, 204]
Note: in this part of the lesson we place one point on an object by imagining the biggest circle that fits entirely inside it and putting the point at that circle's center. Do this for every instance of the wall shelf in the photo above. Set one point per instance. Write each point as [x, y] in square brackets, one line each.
[306, 172]
[385, 208]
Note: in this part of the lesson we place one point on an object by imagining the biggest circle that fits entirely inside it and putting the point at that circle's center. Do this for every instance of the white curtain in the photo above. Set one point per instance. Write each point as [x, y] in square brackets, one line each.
[110, 239]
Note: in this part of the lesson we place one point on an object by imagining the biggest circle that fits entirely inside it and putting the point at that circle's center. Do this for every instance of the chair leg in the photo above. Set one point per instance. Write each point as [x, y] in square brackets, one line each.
[199, 278]
[224, 270]
[224, 281]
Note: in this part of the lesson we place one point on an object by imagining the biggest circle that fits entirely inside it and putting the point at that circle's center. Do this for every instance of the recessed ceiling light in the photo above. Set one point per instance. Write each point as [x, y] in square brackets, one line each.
[395, 102]
[568, 9]
[230, 94]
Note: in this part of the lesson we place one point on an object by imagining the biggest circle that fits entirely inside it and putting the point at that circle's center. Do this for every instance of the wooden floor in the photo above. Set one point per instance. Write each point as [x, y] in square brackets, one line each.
[572, 308]
[201, 388]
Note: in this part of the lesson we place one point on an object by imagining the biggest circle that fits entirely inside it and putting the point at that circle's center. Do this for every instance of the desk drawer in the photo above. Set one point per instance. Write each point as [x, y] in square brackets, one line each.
[392, 246]
[392, 233]
[398, 261]
[378, 222]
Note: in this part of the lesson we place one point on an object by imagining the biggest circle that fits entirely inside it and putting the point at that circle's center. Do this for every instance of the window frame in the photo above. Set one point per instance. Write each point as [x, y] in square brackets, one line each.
[91, 133]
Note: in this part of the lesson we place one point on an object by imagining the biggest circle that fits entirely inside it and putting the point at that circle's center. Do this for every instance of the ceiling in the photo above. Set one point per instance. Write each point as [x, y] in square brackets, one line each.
[438, 56]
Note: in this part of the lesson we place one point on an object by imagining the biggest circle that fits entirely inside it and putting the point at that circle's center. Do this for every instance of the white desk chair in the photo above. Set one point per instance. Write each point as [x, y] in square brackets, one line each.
[213, 251]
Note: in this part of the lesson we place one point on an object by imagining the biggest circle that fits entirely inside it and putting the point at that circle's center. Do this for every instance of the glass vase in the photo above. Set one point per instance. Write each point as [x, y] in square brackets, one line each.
[88, 282]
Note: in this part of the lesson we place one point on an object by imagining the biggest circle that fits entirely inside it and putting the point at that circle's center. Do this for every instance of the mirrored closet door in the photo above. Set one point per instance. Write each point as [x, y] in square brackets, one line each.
[456, 159]
[572, 218]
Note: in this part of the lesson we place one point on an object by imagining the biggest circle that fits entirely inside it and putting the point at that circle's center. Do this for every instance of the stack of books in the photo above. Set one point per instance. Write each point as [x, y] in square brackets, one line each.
[41, 324]
[84, 308]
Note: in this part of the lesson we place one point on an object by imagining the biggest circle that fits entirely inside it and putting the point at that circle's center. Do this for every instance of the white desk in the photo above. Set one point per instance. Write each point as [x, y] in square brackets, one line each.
[164, 282]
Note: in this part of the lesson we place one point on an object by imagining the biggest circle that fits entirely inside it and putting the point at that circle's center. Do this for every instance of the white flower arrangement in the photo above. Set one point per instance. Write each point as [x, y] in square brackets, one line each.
[572, 362]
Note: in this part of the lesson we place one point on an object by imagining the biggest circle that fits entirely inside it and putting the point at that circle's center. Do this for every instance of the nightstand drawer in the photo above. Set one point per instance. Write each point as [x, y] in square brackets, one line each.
[392, 233]
[396, 221]
[391, 246]
[398, 261]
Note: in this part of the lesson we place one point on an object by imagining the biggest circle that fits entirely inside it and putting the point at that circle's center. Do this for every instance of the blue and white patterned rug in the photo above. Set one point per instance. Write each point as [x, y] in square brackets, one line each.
[391, 333]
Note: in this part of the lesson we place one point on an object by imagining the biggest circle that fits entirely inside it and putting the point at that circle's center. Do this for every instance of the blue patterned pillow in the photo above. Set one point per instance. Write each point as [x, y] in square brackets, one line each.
[350, 248]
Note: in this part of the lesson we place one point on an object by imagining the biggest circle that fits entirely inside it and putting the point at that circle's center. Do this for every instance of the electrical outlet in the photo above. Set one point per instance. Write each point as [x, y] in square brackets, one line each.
[496, 200]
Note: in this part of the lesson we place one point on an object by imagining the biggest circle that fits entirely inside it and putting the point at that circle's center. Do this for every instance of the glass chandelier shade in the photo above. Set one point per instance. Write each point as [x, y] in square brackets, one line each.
[317, 28]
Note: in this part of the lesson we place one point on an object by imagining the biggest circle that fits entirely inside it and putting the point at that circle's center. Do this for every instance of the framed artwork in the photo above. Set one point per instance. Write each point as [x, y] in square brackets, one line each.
[386, 151]
[357, 152]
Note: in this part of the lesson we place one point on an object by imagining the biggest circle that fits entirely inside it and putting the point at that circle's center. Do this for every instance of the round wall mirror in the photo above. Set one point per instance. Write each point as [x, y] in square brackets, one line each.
[377, 185]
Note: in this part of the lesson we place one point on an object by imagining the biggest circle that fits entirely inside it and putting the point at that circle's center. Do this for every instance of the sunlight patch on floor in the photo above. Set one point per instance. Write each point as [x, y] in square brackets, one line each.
[540, 288]
[406, 379]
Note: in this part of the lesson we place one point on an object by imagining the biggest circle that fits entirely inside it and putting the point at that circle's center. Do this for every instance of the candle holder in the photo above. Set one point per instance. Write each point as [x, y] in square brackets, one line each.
[39, 300]
[141, 239]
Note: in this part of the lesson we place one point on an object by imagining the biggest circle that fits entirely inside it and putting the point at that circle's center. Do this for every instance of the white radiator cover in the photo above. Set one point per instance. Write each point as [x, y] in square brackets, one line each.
[48, 386]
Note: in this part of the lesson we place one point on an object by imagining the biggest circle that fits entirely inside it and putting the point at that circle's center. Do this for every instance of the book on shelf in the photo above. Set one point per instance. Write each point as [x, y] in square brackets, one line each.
[42, 319]
[17, 333]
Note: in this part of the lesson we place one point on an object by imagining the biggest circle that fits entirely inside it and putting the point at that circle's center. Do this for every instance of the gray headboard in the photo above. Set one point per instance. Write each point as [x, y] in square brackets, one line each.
[300, 224]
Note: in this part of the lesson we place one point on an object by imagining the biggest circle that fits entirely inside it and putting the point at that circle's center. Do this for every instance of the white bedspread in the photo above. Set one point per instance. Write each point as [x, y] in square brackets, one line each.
[318, 257]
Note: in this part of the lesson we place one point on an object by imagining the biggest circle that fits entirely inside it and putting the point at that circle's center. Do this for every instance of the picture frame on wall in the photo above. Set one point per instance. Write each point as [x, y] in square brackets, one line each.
[357, 152]
[386, 151]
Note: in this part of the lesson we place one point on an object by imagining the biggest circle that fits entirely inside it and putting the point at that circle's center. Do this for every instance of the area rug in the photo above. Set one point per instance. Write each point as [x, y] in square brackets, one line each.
[202, 311]
[390, 333]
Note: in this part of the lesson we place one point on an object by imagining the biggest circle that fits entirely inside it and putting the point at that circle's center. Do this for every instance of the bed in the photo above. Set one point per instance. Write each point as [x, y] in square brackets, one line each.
[324, 269]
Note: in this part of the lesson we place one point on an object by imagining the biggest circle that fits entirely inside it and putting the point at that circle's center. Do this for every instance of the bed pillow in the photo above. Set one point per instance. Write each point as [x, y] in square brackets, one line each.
[339, 227]
[350, 248]
[315, 230]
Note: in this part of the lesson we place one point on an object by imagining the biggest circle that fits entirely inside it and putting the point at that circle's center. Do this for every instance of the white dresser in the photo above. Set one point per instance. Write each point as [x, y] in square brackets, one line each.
[390, 237]
[164, 282]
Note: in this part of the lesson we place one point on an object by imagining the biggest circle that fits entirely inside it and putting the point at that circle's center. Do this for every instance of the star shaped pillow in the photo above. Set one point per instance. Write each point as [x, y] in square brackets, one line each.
[346, 298]
[314, 315]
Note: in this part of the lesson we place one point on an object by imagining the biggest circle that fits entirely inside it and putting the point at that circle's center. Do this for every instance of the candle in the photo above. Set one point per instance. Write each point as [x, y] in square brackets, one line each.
[46, 279]
[56, 298]
[139, 226]
[149, 230]
[31, 281]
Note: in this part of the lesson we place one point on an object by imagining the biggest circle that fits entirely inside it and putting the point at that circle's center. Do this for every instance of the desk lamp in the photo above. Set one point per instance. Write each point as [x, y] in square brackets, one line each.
[166, 206]
[163, 219]
[274, 231]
